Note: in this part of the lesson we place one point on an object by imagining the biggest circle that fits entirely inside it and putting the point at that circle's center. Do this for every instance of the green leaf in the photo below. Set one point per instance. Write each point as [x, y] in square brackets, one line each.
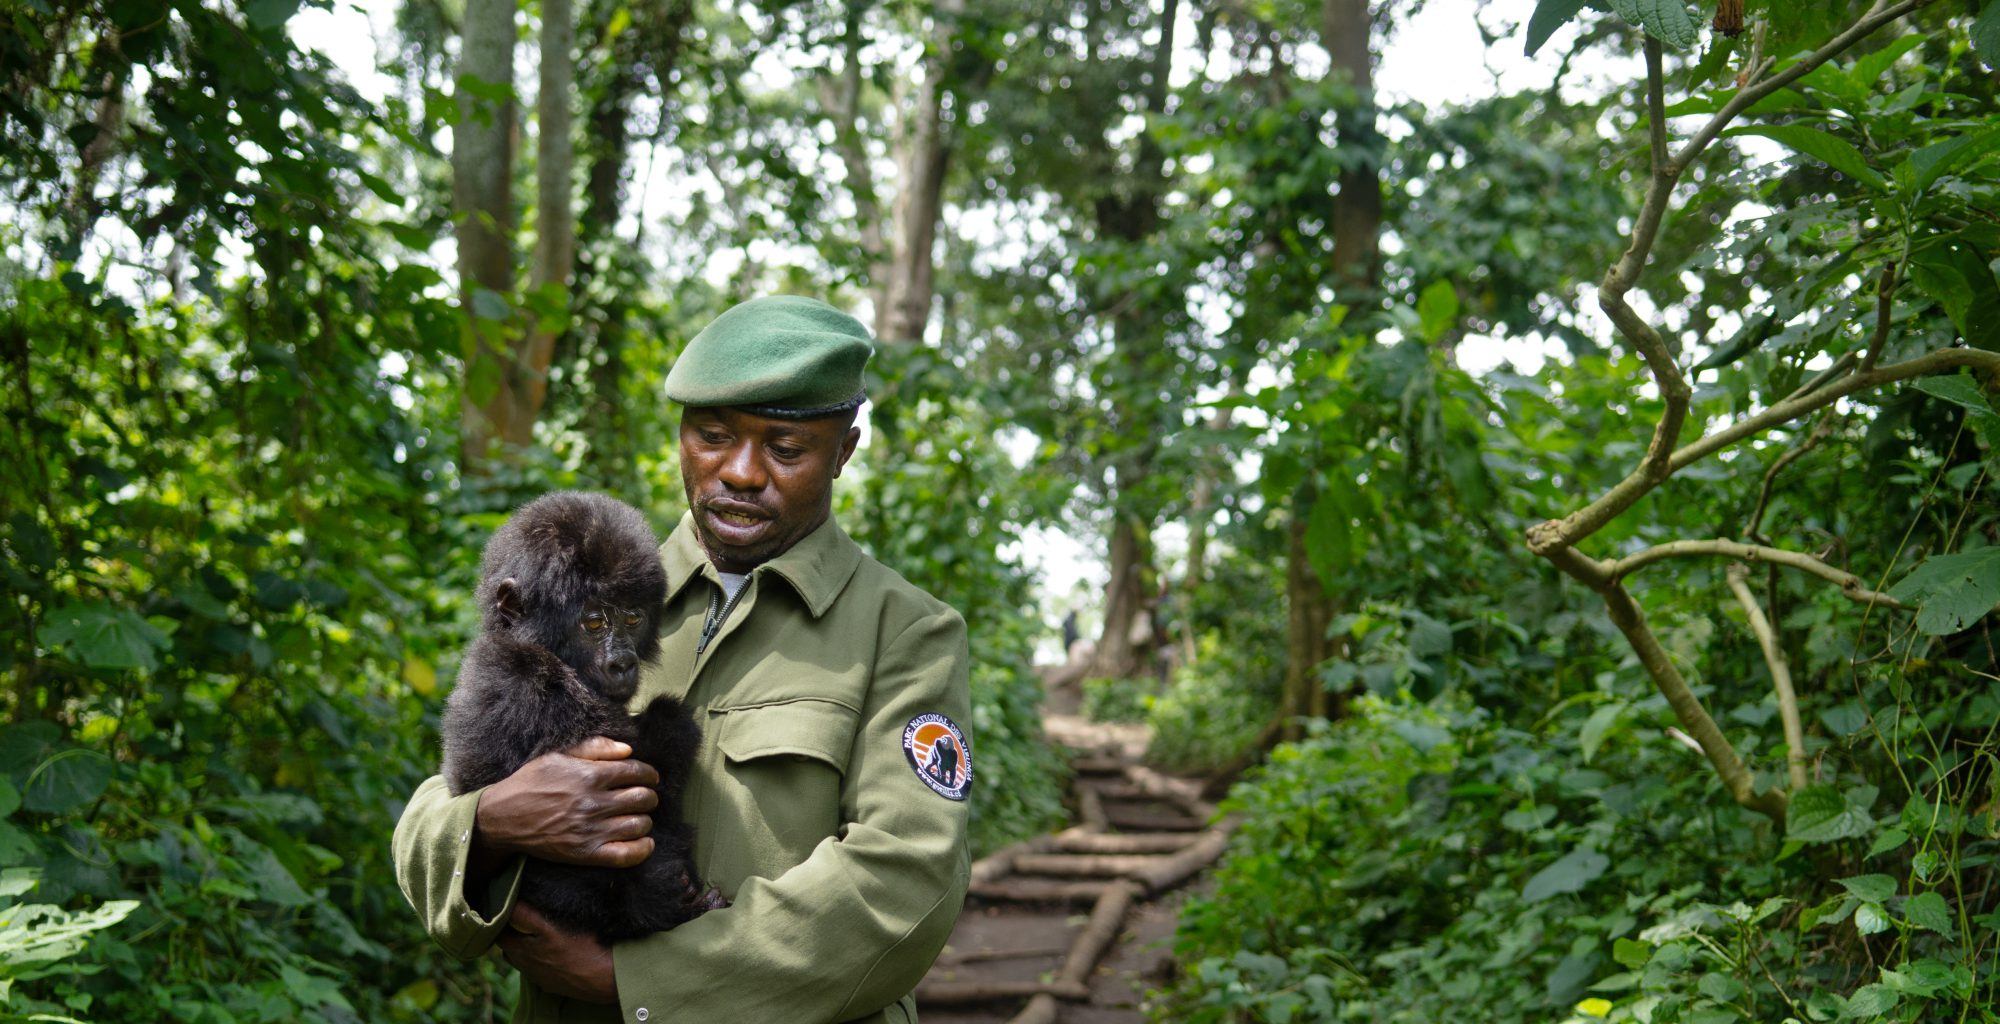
[1870, 1001]
[1873, 888]
[1720, 987]
[1822, 814]
[67, 781]
[1844, 719]
[1963, 392]
[1437, 310]
[1829, 149]
[1549, 15]
[105, 637]
[488, 304]
[1631, 953]
[1598, 727]
[1665, 20]
[1872, 66]
[10, 798]
[267, 14]
[1870, 919]
[1889, 839]
[1952, 591]
[1571, 873]
[1986, 34]
[1929, 911]
[1925, 166]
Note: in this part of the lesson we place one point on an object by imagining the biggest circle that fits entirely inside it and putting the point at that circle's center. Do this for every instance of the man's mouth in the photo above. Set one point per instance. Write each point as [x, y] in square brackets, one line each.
[736, 525]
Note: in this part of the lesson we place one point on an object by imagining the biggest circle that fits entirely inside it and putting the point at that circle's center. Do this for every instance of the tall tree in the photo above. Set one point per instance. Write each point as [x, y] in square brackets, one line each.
[923, 150]
[482, 164]
[1354, 268]
[555, 216]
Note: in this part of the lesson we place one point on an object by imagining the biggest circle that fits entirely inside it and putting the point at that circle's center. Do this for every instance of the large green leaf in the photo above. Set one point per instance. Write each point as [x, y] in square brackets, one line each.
[1827, 148]
[67, 781]
[1963, 392]
[1928, 910]
[1823, 814]
[1549, 15]
[105, 637]
[1570, 873]
[1952, 591]
[1665, 20]
[1924, 167]
[1986, 34]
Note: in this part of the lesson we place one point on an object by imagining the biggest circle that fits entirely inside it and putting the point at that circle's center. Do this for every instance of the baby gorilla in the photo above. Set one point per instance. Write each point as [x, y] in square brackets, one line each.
[570, 590]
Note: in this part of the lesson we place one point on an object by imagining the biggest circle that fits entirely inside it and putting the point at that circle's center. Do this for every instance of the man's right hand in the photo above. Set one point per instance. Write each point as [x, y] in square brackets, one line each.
[590, 804]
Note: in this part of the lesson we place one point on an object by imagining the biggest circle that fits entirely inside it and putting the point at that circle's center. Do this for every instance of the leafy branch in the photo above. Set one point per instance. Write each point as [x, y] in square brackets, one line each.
[1556, 539]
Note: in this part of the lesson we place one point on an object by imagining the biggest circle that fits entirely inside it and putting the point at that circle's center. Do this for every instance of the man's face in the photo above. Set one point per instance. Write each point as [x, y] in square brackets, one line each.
[757, 485]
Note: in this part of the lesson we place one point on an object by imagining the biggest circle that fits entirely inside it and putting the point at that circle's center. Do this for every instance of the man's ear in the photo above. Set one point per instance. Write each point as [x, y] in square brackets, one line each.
[847, 445]
[507, 601]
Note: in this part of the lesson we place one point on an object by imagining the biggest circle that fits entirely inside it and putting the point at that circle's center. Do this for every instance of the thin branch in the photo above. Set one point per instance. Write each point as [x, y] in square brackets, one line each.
[1736, 776]
[1781, 674]
[1885, 300]
[1850, 585]
[1819, 431]
[1546, 537]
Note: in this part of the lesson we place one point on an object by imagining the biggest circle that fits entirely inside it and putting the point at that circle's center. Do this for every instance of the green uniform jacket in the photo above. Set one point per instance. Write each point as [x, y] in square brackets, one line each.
[845, 871]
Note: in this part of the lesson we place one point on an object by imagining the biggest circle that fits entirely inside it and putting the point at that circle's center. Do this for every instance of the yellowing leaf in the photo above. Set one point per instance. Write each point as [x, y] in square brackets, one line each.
[420, 675]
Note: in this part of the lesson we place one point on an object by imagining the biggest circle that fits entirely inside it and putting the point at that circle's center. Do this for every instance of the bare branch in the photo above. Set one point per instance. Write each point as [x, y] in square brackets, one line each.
[1736, 776]
[1819, 431]
[1546, 537]
[1850, 585]
[1885, 300]
[1781, 674]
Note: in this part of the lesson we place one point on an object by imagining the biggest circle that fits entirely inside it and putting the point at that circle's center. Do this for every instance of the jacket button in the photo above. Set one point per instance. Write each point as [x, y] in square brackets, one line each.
[640, 1013]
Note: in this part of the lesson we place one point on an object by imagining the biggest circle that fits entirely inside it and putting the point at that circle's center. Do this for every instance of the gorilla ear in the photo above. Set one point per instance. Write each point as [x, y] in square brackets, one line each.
[507, 601]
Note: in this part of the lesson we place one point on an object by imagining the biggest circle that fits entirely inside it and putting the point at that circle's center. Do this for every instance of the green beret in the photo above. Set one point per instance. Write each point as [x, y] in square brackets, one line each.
[781, 355]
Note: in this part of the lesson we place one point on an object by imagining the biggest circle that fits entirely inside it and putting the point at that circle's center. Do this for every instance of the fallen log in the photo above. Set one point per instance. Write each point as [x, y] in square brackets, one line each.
[980, 956]
[1178, 868]
[998, 863]
[963, 993]
[1078, 841]
[1139, 820]
[1038, 890]
[1090, 807]
[1040, 1010]
[1086, 865]
[1088, 948]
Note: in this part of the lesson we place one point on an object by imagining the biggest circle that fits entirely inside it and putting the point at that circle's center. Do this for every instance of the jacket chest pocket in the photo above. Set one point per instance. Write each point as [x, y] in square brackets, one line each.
[782, 767]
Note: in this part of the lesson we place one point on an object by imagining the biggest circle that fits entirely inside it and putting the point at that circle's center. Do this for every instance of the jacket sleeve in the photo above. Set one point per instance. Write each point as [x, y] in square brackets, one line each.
[432, 843]
[854, 926]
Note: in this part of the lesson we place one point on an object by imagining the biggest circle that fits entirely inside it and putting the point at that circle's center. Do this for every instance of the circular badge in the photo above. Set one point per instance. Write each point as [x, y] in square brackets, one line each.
[938, 754]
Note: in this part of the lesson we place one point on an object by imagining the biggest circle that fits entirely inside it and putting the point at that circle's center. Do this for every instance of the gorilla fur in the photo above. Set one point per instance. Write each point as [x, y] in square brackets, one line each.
[537, 680]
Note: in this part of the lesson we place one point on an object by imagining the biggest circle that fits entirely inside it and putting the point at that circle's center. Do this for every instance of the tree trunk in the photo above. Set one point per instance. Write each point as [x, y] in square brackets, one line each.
[840, 98]
[1132, 218]
[1123, 647]
[1307, 612]
[482, 160]
[1357, 232]
[555, 217]
[922, 153]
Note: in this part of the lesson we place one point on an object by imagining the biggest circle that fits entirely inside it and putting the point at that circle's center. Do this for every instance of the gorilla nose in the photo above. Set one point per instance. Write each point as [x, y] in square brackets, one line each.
[623, 667]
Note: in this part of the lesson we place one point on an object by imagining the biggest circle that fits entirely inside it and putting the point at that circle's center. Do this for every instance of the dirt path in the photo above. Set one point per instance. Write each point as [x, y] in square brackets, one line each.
[1074, 927]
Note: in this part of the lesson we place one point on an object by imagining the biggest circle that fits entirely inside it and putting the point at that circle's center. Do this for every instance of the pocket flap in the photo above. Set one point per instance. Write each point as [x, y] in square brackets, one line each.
[819, 729]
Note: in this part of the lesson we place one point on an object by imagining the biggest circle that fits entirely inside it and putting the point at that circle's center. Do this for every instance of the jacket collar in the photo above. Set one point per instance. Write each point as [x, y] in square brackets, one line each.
[818, 566]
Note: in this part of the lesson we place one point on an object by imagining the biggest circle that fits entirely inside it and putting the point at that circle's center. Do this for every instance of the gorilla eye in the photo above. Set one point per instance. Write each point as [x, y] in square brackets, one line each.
[631, 618]
[594, 622]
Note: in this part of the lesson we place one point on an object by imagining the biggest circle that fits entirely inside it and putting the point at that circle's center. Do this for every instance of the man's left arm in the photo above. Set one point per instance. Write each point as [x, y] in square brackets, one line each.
[855, 926]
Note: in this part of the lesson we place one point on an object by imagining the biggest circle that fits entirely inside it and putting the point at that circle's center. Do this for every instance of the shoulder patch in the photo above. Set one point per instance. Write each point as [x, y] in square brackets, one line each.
[937, 751]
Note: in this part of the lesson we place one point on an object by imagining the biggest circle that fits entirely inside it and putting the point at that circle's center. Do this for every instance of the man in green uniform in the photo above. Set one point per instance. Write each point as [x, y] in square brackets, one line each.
[828, 795]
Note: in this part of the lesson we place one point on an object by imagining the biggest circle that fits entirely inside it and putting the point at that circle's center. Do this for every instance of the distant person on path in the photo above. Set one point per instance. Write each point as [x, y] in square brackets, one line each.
[829, 794]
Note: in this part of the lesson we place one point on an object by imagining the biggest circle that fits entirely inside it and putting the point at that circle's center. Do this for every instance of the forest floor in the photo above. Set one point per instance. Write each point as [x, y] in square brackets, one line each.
[1075, 927]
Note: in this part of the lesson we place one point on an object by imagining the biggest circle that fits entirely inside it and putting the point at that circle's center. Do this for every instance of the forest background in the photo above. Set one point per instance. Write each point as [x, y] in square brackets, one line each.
[1567, 514]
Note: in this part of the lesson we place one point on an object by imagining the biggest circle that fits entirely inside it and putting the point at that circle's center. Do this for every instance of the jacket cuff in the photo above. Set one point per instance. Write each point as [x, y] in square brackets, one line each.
[461, 929]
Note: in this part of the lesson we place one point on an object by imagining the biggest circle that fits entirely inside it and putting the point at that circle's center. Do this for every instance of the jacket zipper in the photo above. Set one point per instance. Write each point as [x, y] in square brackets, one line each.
[713, 623]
